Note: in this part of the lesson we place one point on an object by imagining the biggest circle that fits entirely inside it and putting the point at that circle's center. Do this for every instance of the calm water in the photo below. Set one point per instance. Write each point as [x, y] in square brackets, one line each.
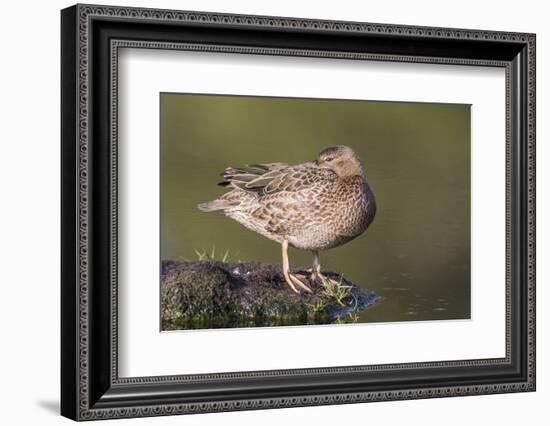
[416, 254]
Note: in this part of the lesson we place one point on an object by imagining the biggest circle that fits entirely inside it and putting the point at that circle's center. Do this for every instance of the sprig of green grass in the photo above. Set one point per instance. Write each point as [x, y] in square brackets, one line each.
[336, 290]
[317, 306]
[210, 256]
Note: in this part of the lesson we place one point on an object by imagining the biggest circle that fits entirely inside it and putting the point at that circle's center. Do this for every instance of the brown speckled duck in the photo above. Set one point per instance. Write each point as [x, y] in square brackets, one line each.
[312, 206]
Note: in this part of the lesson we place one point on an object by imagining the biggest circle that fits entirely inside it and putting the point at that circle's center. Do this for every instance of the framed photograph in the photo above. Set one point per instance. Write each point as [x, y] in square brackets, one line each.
[263, 212]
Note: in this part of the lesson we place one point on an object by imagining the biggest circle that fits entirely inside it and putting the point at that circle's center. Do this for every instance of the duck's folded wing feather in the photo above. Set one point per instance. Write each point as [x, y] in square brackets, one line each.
[239, 176]
[265, 179]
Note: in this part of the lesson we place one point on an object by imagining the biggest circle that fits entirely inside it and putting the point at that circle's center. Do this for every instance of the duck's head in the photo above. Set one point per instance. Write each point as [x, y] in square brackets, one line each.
[342, 160]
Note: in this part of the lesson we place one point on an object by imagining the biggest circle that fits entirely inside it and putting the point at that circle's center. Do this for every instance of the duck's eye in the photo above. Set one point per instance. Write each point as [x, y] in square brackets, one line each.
[328, 159]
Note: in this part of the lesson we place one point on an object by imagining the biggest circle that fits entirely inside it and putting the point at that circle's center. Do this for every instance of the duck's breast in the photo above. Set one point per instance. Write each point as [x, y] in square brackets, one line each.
[339, 214]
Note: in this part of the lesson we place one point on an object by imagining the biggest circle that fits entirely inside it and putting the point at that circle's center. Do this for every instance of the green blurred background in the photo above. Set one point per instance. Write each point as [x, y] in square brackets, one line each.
[416, 253]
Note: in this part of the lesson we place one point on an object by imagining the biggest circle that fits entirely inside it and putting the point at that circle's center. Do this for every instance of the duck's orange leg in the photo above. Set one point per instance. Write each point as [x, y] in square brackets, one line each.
[290, 279]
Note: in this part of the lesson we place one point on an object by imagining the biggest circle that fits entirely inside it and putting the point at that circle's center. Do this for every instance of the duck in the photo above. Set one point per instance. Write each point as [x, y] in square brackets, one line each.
[314, 206]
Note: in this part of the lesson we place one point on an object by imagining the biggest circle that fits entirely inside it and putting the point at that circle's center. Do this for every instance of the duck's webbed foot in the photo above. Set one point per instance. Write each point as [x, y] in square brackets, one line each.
[293, 281]
[315, 274]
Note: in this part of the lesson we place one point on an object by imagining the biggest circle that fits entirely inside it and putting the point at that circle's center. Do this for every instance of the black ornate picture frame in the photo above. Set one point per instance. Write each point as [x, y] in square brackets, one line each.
[91, 387]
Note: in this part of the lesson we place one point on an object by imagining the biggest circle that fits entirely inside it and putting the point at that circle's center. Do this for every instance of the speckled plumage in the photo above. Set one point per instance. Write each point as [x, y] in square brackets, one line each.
[315, 206]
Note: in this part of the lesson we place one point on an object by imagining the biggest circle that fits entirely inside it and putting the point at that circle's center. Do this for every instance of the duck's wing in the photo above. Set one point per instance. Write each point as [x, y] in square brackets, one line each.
[265, 179]
[239, 177]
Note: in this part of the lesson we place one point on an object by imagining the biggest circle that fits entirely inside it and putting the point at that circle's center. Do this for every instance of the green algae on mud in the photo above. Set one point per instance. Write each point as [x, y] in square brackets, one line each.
[213, 294]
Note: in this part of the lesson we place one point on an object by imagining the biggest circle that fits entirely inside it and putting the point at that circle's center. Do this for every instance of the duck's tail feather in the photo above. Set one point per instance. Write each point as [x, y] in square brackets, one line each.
[213, 206]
